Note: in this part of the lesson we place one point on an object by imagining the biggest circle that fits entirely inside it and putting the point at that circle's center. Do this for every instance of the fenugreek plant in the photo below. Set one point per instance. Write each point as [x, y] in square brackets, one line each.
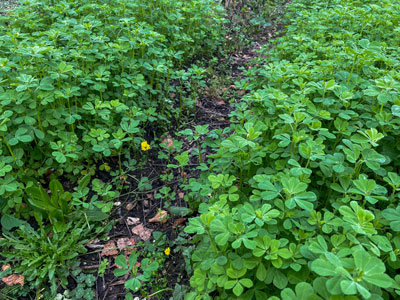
[302, 200]
[82, 82]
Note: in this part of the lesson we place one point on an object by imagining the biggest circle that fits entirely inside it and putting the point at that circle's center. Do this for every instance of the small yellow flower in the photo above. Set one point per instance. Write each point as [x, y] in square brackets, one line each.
[145, 146]
[167, 251]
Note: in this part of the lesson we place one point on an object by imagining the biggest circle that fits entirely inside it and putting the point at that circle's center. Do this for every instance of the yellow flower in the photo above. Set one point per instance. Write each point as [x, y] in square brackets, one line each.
[145, 146]
[167, 251]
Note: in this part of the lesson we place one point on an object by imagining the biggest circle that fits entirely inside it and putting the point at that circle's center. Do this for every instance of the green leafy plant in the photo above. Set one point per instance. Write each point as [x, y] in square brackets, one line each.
[301, 198]
[56, 206]
[45, 256]
[74, 106]
[102, 267]
[136, 281]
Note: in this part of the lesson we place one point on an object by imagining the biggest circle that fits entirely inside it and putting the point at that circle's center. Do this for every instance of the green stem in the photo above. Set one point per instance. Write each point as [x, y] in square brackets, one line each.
[9, 148]
[119, 160]
[160, 291]
[214, 246]
[352, 68]
[199, 148]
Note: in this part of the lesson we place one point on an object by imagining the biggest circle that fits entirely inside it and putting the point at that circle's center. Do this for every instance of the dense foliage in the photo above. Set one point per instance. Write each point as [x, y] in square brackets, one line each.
[300, 196]
[81, 81]
[302, 199]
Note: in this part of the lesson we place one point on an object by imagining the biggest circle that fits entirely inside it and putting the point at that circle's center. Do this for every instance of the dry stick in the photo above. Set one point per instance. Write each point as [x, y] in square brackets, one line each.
[105, 294]
[127, 227]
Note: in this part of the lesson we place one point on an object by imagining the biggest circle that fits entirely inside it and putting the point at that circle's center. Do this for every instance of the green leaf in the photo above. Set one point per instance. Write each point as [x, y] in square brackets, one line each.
[60, 157]
[4, 169]
[238, 289]
[323, 268]
[9, 222]
[46, 84]
[180, 211]
[396, 110]
[280, 280]
[121, 261]
[363, 291]
[133, 284]
[381, 280]
[133, 259]
[333, 285]
[246, 282]
[120, 272]
[348, 287]
[393, 216]
[195, 226]
[95, 214]
[229, 284]
[304, 290]
[288, 294]
[261, 273]
[128, 296]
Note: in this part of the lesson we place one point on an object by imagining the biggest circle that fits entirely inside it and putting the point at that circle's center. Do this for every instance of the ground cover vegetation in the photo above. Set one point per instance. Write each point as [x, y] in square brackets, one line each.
[114, 121]
[301, 201]
[80, 82]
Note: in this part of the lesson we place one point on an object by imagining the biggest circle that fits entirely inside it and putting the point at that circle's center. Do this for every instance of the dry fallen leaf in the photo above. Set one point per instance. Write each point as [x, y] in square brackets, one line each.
[143, 232]
[123, 179]
[109, 249]
[126, 244]
[5, 267]
[132, 221]
[221, 102]
[169, 142]
[178, 222]
[13, 280]
[129, 206]
[160, 217]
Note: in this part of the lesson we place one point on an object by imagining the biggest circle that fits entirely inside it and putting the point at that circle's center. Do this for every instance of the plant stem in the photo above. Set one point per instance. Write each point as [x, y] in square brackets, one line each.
[352, 68]
[160, 291]
[9, 148]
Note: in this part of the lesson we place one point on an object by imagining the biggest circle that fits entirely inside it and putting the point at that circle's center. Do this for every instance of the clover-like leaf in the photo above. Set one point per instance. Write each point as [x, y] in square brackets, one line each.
[393, 216]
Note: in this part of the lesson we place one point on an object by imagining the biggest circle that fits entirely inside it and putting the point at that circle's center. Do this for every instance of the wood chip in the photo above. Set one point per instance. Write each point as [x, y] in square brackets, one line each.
[143, 232]
[109, 249]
